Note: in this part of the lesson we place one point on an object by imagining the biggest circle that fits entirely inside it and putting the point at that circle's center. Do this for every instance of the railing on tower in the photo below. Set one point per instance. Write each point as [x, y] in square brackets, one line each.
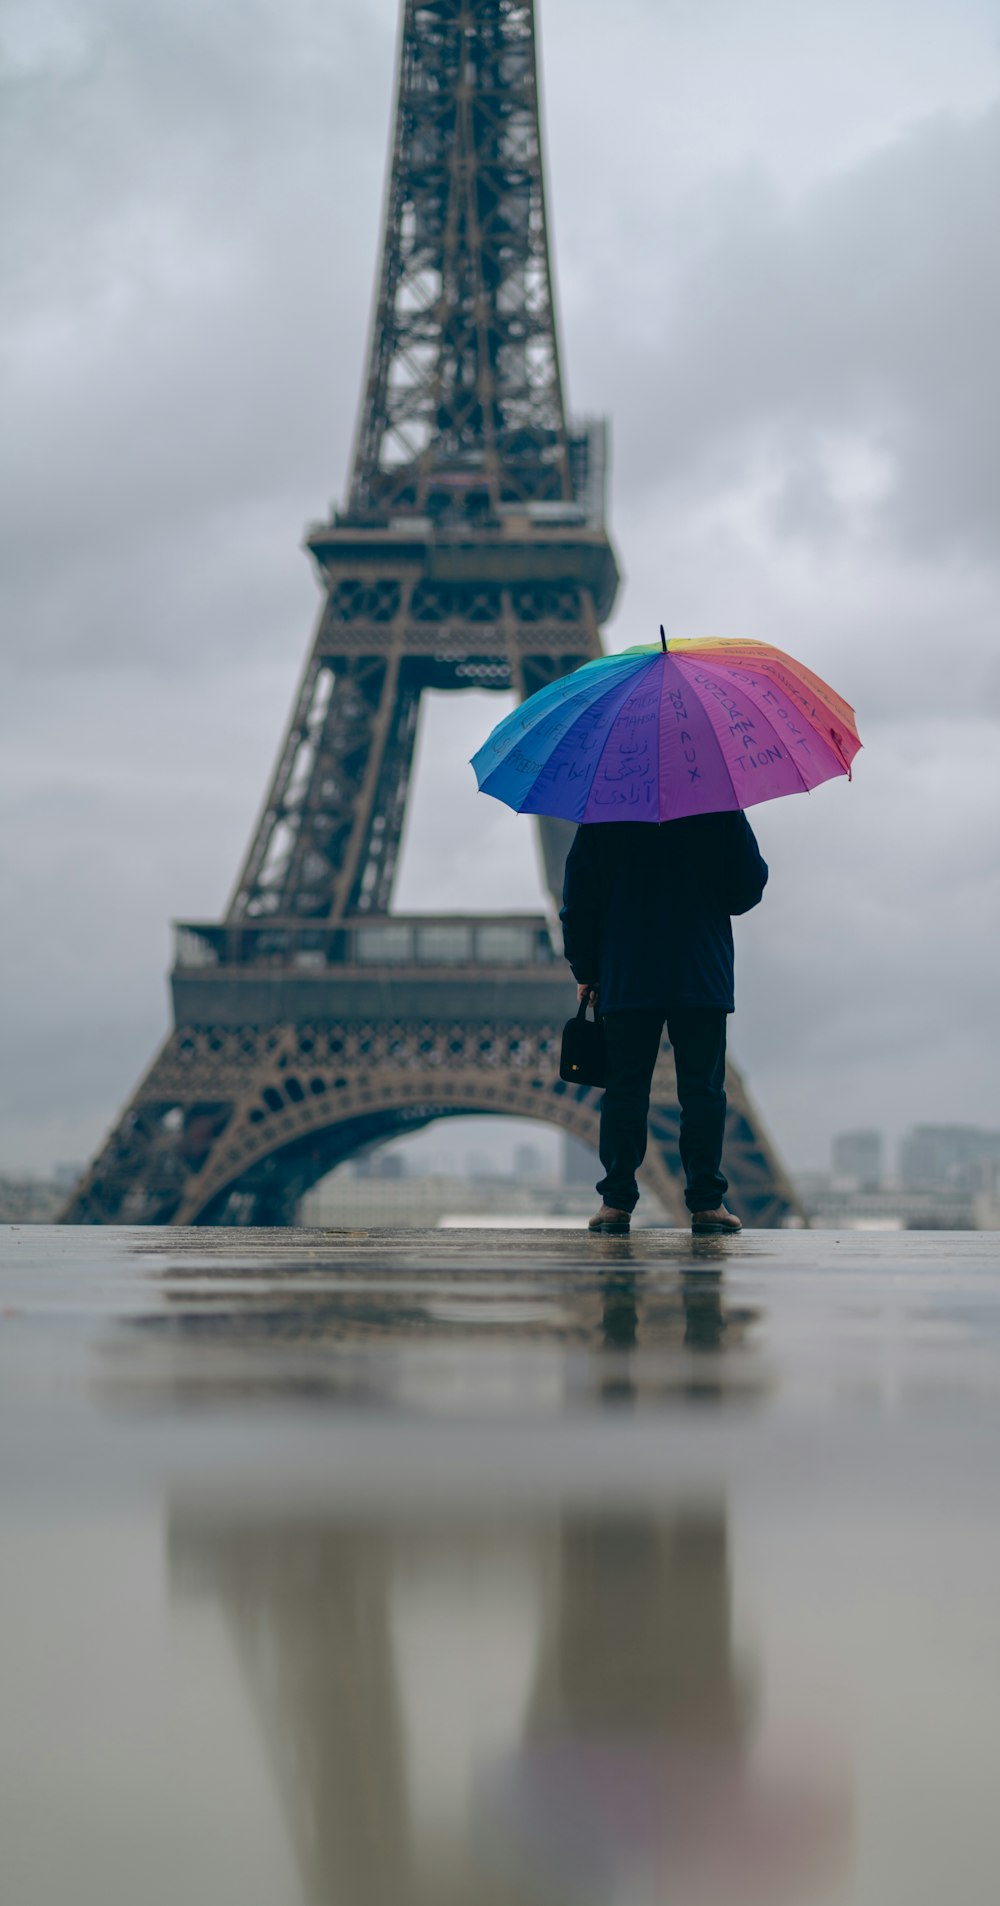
[439, 940]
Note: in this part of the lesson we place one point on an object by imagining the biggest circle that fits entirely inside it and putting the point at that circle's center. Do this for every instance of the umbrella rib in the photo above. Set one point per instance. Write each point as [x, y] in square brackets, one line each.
[732, 652]
[618, 687]
[806, 789]
[712, 710]
[513, 729]
[659, 737]
[638, 675]
[831, 748]
[799, 683]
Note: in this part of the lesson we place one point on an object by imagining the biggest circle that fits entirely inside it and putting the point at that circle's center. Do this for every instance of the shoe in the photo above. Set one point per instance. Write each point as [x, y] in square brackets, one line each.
[715, 1224]
[608, 1219]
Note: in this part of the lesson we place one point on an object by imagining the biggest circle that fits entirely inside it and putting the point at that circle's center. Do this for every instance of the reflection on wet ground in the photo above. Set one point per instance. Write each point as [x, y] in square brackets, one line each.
[387, 1568]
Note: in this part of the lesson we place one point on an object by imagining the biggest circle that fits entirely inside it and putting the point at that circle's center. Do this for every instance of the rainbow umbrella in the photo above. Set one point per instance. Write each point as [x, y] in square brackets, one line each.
[686, 727]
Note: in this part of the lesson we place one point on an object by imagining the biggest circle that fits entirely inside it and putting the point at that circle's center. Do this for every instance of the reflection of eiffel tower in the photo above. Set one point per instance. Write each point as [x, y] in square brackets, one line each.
[472, 552]
[626, 1628]
[625, 1620]
[451, 1702]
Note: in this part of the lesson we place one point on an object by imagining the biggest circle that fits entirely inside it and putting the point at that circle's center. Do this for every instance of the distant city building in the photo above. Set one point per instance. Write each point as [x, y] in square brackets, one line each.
[949, 1181]
[834, 1205]
[857, 1159]
[370, 1198]
[580, 1165]
[958, 1158]
[986, 1204]
[343, 1200]
[30, 1200]
[812, 1183]
[528, 1162]
[379, 1164]
[481, 1165]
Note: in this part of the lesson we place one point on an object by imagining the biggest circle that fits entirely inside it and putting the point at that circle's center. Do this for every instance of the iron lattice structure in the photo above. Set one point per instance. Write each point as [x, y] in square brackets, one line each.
[464, 381]
[312, 1022]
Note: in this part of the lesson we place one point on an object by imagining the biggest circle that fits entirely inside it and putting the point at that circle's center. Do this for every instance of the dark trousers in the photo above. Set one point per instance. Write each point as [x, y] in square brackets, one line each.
[698, 1037]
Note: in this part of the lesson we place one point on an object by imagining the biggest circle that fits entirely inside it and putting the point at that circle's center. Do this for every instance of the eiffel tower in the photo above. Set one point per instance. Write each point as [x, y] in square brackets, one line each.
[312, 1022]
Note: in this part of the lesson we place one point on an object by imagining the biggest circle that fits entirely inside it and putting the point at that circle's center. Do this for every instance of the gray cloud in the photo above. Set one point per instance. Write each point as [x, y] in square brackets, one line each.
[864, 313]
[176, 322]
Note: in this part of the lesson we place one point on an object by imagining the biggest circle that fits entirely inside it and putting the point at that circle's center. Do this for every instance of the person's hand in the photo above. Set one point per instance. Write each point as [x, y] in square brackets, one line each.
[586, 992]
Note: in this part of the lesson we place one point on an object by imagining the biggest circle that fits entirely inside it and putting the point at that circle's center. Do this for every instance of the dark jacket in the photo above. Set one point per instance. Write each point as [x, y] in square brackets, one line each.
[646, 909]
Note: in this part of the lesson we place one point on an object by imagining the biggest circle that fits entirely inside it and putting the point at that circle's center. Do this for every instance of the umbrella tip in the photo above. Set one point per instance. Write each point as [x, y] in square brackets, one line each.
[663, 640]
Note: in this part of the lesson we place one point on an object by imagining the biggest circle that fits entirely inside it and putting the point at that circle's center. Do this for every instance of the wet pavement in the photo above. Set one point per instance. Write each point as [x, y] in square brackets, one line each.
[510, 1569]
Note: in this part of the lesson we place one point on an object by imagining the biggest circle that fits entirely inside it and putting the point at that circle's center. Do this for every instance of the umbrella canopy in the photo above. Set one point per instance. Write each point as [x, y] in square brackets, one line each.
[686, 727]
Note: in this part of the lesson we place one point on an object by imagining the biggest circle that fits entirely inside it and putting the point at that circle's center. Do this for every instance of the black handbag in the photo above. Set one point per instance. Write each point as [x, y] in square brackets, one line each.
[584, 1056]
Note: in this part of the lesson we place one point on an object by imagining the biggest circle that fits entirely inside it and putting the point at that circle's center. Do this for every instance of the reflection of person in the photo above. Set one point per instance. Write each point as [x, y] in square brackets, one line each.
[619, 1326]
[696, 1323]
[704, 1318]
[639, 1640]
[619, 1317]
[647, 928]
[636, 1777]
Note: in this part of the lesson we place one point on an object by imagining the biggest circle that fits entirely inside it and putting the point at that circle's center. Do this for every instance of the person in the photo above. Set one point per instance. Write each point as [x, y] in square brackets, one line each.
[648, 934]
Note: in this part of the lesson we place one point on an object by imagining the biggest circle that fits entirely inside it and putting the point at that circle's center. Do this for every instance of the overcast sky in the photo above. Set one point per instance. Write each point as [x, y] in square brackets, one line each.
[775, 229]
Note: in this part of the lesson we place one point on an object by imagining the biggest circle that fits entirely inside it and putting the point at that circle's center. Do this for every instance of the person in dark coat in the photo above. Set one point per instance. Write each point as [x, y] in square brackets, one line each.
[648, 933]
